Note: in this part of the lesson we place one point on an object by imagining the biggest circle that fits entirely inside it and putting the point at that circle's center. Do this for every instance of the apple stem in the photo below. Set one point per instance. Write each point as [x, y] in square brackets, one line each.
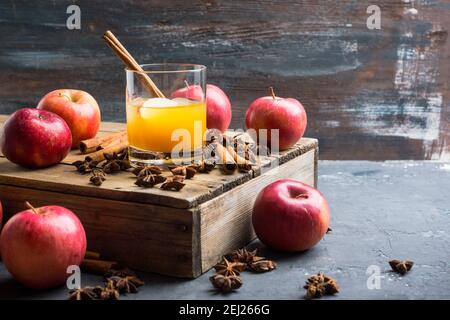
[302, 195]
[35, 211]
[187, 84]
[65, 95]
[272, 92]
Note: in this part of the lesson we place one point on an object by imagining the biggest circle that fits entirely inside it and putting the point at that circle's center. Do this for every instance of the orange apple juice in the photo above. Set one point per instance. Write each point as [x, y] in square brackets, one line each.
[154, 123]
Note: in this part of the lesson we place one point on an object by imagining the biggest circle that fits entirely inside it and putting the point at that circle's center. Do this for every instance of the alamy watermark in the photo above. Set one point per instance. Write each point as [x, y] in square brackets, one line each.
[73, 22]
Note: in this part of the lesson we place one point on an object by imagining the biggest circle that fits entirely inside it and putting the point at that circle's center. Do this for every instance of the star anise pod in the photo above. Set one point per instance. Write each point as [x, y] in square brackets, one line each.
[123, 154]
[262, 266]
[229, 268]
[127, 284]
[86, 293]
[173, 183]
[187, 171]
[206, 166]
[97, 177]
[319, 285]
[401, 267]
[109, 292]
[120, 273]
[141, 171]
[244, 255]
[85, 166]
[113, 163]
[226, 283]
[149, 180]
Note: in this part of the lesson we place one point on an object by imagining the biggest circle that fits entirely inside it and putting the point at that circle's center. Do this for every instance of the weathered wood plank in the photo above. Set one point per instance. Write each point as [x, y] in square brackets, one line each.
[364, 90]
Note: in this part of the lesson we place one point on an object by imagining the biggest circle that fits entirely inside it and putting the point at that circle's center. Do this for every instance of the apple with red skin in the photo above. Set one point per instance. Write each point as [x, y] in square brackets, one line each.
[218, 106]
[39, 244]
[78, 108]
[35, 138]
[272, 112]
[289, 215]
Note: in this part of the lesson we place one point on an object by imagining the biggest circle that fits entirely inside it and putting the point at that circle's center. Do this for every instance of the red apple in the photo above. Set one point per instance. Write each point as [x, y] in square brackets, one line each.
[78, 108]
[35, 138]
[218, 106]
[39, 244]
[285, 114]
[289, 215]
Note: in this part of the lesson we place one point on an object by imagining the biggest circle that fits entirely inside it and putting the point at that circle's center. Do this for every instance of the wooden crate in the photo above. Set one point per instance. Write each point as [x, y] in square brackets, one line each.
[174, 233]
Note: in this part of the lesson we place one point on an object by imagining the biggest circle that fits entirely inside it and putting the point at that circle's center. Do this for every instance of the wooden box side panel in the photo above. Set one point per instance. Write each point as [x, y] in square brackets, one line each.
[226, 220]
[141, 236]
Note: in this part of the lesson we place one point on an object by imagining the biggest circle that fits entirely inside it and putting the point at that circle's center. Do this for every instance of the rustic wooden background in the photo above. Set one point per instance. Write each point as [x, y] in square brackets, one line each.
[369, 94]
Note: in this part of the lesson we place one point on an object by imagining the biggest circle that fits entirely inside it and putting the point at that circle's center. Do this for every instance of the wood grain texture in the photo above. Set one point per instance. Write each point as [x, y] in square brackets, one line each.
[63, 178]
[369, 94]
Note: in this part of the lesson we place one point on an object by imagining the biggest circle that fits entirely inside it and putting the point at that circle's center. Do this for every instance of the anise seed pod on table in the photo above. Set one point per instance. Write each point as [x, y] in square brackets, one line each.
[97, 177]
[86, 293]
[187, 171]
[109, 292]
[149, 180]
[319, 285]
[85, 166]
[120, 273]
[206, 166]
[127, 284]
[401, 267]
[146, 170]
[226, 283]
[173, 183]
[262, 266]
[244, 255]
[113, 163]
[229, 268]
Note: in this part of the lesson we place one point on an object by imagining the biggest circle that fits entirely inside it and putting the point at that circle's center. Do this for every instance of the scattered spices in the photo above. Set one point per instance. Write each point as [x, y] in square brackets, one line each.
[97, 177]
[401, 267]
[244, 255]
[228, 268]
[117, 281]
[141, 171]
[253, 262]
[173, 183]
[115, 162]
[319, 285]
[85, 166]
[86, 293]
[149, 180]
[226, 283]
[206, 166]
[262, 266]
[109, 292]
[127, 284]
[187, 171]
[119, 273]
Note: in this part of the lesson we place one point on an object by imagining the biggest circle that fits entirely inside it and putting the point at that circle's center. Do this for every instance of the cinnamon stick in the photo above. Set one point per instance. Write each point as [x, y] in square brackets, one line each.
[99, 143]
[116, 147]
[225, 158]
[97, 266]
[131, 63]
[92, 255]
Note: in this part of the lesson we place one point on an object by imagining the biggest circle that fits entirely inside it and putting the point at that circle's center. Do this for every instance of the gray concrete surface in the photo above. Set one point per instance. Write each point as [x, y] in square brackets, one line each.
[379, 211]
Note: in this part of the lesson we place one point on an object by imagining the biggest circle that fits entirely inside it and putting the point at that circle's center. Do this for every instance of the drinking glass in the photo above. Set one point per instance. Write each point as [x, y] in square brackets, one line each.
[167, 125]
